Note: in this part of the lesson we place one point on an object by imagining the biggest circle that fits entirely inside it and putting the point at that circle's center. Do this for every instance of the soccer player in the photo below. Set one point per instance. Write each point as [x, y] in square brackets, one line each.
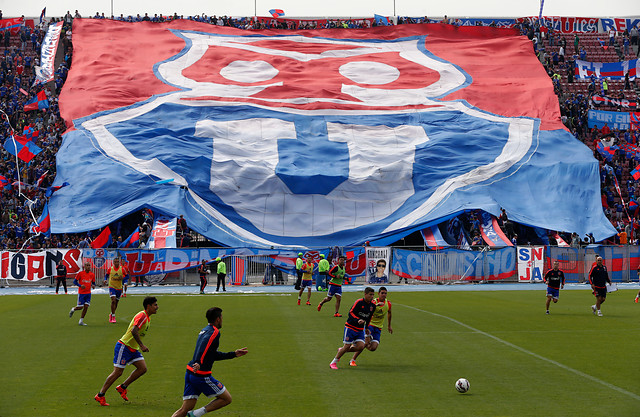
[336, 273]
[203, 272]
[127, 351]
[554, 278]
[116, 275]
[354, 329]
[85, 280]
[598, 278]
[222, 274]
[198, 379]
[61, 276]
[307, 279]
[372, 340]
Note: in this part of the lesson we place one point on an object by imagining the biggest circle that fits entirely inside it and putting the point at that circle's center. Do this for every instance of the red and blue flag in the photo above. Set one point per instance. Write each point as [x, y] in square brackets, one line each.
[133, 241]
[276, 13]
[51, 190]
[38, 102]
[43, 224]
[22, 147]
[103, 240]
[381, 20]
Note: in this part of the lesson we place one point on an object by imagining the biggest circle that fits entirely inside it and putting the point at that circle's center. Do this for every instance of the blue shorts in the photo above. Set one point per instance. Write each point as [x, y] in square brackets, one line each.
[113, 292]
[84, 299]
[306, 283]
[375, 333]
[352, 336]
[334, 290]
[123, 355]
[194, 385]
[553, 292]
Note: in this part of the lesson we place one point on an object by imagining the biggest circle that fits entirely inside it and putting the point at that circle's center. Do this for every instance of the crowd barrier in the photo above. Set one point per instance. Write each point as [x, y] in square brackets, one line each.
[247, 266]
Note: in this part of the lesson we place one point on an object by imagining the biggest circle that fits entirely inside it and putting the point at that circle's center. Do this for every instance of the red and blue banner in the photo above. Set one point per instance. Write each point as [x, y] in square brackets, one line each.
[433, 238]
[410, 124]
[276, 12]
[613, 70]
[491, 232]
[12, 25]
[46, 70]
[457, 265]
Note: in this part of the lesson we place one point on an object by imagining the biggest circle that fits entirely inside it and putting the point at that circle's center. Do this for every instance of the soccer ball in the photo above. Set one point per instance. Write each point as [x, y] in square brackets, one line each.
[462, 385]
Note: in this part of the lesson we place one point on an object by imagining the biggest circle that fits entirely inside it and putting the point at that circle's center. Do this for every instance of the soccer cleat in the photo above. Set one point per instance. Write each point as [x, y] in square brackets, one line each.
[82, 323]
[124, 295]
[337, 315]
[113, 318]
[593, 308]
[319, 307]
[201, 292]
[190, 414]
[333, 366]
[122, 392]
[101, 400]
[298, 302]
[352, 363]
[71, 312]
[547, 312]
[636, 299]
[308, 303]
[599, 313]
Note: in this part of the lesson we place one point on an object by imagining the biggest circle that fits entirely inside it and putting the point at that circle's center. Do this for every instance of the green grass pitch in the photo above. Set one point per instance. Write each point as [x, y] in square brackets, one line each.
[519, 361]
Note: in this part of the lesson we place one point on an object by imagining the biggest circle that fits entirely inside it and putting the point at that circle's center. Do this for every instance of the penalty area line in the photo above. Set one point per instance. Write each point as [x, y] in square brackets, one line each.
[528, 352]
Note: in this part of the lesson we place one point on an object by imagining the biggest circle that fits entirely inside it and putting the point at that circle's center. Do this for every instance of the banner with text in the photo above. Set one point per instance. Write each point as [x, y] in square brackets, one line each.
[450, 265]
[38, 265]
[530, 263]
[612, 70]
[614, 119]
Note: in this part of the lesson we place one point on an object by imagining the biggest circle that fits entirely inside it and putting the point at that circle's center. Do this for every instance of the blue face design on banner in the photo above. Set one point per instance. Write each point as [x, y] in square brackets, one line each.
[298, 140]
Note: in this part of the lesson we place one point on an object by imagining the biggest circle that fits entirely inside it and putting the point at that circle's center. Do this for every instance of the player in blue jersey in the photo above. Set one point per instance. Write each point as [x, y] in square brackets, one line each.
[554, 278]
[354, 329]
[198, 379]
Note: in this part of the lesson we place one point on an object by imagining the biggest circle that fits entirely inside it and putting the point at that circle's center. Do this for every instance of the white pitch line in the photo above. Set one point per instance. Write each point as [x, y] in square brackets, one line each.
[528, 352]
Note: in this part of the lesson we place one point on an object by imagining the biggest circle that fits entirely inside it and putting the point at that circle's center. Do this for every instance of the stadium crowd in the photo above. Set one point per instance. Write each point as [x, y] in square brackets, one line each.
[22, 195]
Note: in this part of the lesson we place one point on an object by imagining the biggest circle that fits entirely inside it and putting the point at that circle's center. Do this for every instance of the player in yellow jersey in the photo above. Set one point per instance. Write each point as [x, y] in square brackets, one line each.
[127, 351]
[383, 308]
[117, 276]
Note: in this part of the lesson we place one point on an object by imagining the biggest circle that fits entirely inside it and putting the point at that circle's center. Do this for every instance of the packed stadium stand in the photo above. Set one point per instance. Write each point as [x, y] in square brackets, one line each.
[20, 55]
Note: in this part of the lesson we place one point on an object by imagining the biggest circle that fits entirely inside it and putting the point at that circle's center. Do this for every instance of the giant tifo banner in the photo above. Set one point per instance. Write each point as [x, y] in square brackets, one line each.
[227, 126]
[449, 265]
[614, 119]
[12, 25]
[38, 265]
[612, 70]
